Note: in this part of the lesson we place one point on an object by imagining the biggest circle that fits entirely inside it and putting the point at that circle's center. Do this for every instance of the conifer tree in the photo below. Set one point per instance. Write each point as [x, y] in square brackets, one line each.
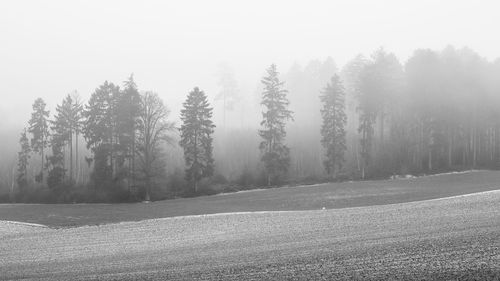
[62, 128]
[22, 164]
[196, 140]
[39, 128]
[367, 110]
[127, 111]
[77, 126]
[333, 128]
[275, 154]
[99, 132]
[55, 162]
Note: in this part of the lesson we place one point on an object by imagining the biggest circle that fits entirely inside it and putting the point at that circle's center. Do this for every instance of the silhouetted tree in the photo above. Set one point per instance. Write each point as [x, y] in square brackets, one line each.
[275, 154]
[100, 132]
[333, 126]
[62, 131]
[39, 128]
[228, 90]
[196, 130]
[23, 160]
[127, 111]
[55, 163]
[77, 127]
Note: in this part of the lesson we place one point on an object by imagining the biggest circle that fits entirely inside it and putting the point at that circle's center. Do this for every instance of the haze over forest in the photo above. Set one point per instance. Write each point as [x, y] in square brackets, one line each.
[55, 48]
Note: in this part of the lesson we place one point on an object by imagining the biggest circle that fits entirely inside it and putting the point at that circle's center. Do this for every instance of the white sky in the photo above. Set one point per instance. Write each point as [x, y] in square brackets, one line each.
[49, 48]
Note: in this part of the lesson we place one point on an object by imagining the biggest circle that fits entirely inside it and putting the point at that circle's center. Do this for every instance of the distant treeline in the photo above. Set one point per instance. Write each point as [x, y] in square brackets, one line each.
[375, 118]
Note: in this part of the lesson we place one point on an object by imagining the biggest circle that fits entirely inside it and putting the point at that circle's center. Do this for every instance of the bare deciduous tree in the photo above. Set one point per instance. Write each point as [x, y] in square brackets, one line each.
[153, 130]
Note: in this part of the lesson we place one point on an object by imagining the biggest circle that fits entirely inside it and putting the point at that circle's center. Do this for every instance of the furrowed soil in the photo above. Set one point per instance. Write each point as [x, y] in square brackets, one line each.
[455, 238]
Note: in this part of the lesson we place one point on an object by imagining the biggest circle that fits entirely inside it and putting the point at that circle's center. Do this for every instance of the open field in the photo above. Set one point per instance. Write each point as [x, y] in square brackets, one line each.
[455, 238]
[329, 196]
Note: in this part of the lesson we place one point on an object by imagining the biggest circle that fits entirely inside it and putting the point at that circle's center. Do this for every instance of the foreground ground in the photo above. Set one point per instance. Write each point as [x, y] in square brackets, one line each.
[456, 238]
[329, 196]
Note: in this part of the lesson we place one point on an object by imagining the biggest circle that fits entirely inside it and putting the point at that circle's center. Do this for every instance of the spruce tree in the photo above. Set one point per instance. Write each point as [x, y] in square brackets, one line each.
[39, 128]
[55, 162]
[100, 132]
[127, 116]
[333, 128]
[367, 109]
[77, 126]
[22, 164]
[275, 154]
[62, 129]
[196, 140]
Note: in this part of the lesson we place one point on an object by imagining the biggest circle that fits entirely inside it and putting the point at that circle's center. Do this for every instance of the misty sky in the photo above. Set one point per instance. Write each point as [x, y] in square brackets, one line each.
[50, 48]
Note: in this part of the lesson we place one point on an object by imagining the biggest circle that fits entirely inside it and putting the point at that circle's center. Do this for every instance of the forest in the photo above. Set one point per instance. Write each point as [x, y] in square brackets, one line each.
[374, 118]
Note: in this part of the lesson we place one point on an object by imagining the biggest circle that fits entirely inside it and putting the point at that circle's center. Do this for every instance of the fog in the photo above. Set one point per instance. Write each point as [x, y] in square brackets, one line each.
[51, 48]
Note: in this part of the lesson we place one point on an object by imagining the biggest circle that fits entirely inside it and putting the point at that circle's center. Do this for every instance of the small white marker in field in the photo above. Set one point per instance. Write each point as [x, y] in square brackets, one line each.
[323, 208]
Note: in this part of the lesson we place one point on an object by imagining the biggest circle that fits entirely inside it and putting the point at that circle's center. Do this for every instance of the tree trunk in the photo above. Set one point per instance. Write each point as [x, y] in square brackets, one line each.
[382, 128]
[474, 146]
[450, 148]
[71, 156]
[77, 166]
[430, 160]
[147, 197]
[41, 172]
[132, 168]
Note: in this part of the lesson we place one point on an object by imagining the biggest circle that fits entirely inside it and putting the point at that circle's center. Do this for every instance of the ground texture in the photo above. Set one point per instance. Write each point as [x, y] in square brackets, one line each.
[329, 196]
[456, 238]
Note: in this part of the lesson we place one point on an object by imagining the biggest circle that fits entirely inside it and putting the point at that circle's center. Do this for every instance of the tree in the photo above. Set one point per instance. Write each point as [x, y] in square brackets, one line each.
[77, 126]
[333, 127]
[196, 140]
[154, 129]
[275, 154]
[22, 164]
[100, 132]
[128, 111]
[39, 128]
[367, 109]
[228, 90]
[351, 80]
[62, 128]
[55, 163]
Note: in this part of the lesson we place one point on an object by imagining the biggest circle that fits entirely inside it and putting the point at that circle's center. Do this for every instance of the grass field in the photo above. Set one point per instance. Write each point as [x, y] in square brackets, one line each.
[289, 238]
[329, 196]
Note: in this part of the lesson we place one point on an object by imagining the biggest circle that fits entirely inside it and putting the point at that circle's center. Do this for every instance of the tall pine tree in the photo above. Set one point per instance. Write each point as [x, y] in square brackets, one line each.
[39, 128]
[55, 162]
[196, 140]
[23, 160]
[275, 154]
[367, 108]
[100, 132]
[333, 128]
[77, 127]
[127, 111]
[62, 130]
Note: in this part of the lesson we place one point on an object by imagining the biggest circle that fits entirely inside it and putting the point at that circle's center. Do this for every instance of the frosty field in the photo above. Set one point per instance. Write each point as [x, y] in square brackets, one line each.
[455, 237]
